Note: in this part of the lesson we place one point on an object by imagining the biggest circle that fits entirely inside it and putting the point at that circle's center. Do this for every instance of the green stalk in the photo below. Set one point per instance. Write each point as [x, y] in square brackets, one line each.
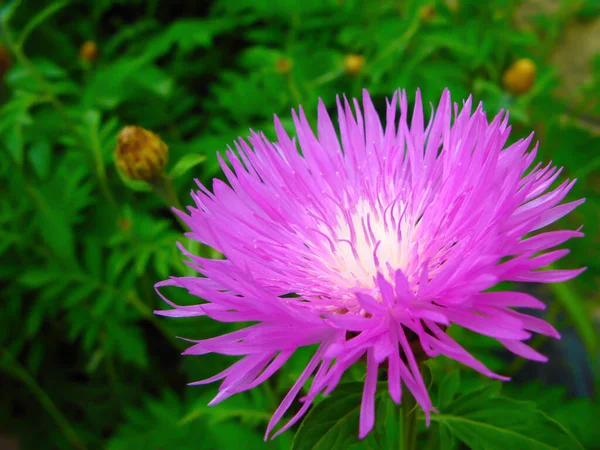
[14, 367]
[163, 187]
[408, 422]
[146, 311]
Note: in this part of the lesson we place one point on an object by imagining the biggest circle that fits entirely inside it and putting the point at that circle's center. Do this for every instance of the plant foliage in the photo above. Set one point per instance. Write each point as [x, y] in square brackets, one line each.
[86, 364]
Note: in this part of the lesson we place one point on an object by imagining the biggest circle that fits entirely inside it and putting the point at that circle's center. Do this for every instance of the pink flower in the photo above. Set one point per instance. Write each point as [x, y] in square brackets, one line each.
[387, 235]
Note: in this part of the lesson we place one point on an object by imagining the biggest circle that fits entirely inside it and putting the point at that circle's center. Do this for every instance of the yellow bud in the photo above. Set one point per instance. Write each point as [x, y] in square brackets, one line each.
[89, 52]
[353, 64]
[5, 61]
[140, 154]
[519, 77]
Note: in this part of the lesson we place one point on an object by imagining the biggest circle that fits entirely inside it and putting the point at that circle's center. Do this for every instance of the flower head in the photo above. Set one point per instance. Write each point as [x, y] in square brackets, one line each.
[387, 234]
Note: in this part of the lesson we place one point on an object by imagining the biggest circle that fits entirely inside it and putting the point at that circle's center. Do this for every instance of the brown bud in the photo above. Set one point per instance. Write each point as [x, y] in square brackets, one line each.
[519, 77]
[427, 13]
[283, 65]
[353, 64]
[89, 52]
[140, 154]
[5, 61]
[124, 224]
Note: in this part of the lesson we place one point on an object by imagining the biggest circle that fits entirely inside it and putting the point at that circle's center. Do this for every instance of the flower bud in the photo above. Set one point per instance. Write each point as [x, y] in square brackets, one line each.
[283, 65]
[5, 61]
[427, 13]
[88, 52]
[140, 154]
[124, 224]
[353, 64]
[452, 5]
[519, 77]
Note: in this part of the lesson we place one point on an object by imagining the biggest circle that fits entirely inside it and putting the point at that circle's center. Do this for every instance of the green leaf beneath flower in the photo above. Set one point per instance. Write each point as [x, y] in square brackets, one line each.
[483, 420]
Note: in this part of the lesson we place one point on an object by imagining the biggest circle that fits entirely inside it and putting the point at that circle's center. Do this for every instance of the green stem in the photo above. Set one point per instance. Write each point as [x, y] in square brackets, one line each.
[23, 375]
[149, 315]
[408, 422]
[163, 187]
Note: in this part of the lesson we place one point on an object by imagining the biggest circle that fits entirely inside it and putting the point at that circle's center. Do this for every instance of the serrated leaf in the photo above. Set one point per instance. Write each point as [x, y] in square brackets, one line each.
[449, 387]
[188, 34]
[476, 398]
[484, 421]
[127, 343]
[78, 294]
[103, 303]
[238, 406]
[334, 422]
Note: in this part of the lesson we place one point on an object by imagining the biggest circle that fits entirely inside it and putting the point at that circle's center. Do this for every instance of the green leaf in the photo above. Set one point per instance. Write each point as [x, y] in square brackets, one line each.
[79, 294]
[188, 34]
[334, 422]
[36, 278]
[186, 163]
[477, 397]
[6, 11]
[126, 342]
[54, 228]
[39, 156]
[484, 421]
[578, 415]
[92, 257]
[155, 81]
[38, 19]
[449, 387]
[238, 406]
[158, 425]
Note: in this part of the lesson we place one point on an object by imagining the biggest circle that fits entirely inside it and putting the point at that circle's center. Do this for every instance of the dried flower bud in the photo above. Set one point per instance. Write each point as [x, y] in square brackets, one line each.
[140, 154]
[283, 65]
[519, 77]
[353, 64]
[5, 61]
[89, 52]
[427, 13]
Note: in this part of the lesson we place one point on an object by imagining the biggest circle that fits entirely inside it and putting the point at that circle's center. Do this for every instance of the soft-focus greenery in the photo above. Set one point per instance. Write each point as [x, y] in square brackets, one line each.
[84, 362]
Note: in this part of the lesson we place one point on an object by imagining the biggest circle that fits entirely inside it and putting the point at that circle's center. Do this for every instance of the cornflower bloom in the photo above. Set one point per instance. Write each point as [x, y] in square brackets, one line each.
[386, 236]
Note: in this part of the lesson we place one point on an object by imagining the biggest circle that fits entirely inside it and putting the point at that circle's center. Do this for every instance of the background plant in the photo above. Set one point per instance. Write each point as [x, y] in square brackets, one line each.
[84, 362]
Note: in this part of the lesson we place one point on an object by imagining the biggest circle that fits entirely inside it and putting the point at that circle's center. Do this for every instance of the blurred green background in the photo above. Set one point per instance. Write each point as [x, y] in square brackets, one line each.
[83, 361]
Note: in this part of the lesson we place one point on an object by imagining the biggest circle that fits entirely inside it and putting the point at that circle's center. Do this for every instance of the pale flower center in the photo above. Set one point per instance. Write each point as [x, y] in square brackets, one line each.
[367, 241]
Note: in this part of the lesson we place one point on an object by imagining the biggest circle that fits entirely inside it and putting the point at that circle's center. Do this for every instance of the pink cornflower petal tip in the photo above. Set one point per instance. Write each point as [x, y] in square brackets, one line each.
[370, 239]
